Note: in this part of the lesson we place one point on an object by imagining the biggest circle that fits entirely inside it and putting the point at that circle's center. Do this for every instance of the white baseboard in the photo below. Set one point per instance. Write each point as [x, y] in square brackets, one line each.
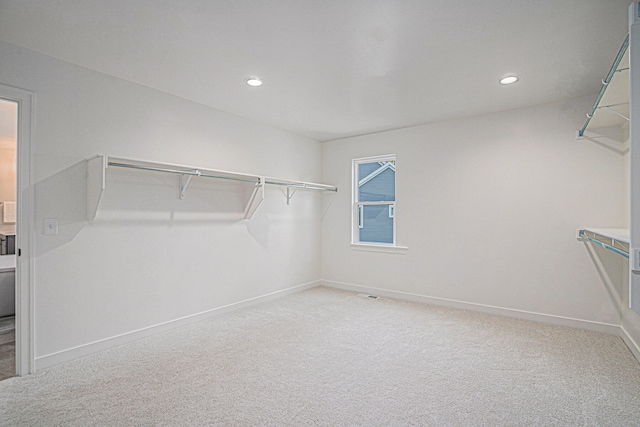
[107, 343]
[115, 341]
[630, 342]
[500, 311]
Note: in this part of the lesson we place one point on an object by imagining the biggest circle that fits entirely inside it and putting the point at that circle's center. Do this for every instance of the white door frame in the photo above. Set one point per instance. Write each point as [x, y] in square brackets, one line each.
[634, 140]
[25, 349]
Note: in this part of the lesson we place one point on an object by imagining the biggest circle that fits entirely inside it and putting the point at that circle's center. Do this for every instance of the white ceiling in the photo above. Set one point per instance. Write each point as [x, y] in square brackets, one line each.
[335, 68]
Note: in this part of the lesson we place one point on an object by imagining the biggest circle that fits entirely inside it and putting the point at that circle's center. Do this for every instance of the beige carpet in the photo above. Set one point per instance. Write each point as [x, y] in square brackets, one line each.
[330, 358]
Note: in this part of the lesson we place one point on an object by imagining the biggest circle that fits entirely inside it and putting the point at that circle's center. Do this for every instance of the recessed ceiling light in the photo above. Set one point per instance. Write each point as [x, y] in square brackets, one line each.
[508, 80]
[253, 81]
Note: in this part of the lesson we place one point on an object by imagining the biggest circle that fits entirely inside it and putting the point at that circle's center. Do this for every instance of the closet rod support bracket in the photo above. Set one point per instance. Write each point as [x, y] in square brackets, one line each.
[184, 183]
[606, 107]
[290, 193]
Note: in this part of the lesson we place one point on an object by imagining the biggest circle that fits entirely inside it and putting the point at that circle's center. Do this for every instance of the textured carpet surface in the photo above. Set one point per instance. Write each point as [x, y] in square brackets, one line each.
[330, 358]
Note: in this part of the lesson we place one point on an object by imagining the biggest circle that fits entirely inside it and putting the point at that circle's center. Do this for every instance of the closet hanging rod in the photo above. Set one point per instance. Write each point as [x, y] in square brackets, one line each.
[304, 185]
[605, 83]
[193, 171]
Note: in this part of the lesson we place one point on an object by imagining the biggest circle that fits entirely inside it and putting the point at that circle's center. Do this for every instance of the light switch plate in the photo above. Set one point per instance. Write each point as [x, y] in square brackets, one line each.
[50, 226]
[634, 259]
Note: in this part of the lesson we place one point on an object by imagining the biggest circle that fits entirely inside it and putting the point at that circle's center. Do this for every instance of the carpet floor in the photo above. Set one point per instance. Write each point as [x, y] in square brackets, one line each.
[330, 358]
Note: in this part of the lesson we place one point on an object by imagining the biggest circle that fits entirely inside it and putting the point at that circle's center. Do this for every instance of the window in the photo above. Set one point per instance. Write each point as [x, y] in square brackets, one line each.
[374, 200]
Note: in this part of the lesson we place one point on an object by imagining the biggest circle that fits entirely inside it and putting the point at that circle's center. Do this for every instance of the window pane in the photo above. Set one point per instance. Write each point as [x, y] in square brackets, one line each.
[377, 182]
[376, 224]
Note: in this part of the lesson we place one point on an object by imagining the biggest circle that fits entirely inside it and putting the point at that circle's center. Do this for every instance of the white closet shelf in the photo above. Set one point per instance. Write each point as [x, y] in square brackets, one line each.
[617, 103]
[98, 165]
[613, 239]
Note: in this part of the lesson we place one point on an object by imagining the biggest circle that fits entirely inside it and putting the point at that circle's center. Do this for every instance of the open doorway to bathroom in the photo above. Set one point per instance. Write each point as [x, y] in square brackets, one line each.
[8, 197]
[23, 102]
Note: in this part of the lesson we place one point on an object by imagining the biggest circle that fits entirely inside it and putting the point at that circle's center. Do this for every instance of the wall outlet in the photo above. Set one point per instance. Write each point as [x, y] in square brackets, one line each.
[50, 226]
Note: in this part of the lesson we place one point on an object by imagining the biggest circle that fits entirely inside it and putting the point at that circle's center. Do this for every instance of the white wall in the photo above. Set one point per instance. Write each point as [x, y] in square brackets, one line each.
[151, 258]
[631, 318]
[489, 208]
[626, 177]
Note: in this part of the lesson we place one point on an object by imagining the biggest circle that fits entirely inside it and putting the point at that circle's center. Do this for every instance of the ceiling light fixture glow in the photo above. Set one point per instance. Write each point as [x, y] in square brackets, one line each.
[508, 80]
[253, 81]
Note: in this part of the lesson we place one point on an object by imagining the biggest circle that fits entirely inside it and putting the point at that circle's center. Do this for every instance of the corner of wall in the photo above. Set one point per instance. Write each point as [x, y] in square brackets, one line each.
[589, 325]
[630, 332]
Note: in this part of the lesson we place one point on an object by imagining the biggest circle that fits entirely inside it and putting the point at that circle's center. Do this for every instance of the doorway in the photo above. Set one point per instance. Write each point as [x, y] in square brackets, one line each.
[8, 192]
[16, 201]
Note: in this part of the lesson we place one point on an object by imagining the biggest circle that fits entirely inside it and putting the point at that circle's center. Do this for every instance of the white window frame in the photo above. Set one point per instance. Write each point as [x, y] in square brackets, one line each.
[357, 206]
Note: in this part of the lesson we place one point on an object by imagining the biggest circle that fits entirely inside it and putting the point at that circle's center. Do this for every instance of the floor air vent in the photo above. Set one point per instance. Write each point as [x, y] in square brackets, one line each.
[368, 296]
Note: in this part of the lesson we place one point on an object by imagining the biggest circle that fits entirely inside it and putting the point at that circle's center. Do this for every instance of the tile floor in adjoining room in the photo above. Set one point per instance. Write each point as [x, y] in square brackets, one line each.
[7, 347]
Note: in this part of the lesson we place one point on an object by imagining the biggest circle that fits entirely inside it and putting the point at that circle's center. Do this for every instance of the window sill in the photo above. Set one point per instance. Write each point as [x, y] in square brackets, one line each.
[402, 250]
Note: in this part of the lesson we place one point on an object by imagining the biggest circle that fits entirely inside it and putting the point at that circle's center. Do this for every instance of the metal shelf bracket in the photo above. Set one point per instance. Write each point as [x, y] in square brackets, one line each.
[185, 183]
